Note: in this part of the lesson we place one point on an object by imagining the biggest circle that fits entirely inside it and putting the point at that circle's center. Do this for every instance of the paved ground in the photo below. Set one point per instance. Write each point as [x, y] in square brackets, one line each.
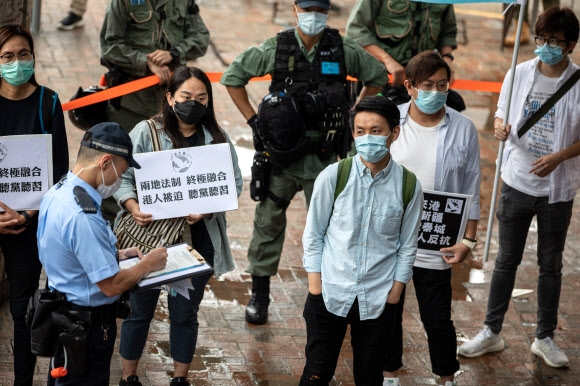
[230, 352]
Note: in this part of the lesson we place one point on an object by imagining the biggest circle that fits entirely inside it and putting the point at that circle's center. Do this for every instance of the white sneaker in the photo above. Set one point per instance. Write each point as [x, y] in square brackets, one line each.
[391, 382]
[450, 383]
[484, 342]
[549, 351]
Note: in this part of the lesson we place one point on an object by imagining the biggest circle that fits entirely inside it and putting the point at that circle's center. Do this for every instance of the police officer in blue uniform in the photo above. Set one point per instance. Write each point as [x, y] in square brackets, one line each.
[77, 248]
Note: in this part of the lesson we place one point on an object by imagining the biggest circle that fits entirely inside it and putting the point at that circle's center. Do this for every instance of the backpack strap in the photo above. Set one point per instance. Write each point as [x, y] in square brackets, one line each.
[344, 166]
[409, 184]
[343, 172]
[154, 133]
[46, 108]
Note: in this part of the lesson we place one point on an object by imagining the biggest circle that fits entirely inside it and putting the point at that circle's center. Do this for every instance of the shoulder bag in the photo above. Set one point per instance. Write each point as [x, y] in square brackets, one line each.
[159, 232]
[543, 110]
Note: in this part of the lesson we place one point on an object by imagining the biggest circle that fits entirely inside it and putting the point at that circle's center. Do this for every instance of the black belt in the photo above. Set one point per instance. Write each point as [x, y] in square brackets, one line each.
[102, 313]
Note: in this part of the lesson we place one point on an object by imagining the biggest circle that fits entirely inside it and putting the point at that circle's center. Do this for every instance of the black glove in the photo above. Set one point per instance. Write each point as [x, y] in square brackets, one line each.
[253, 123]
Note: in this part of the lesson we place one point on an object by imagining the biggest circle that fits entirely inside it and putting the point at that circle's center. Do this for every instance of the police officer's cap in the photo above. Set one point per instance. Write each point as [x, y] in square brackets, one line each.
[313, 3]
[109, 137]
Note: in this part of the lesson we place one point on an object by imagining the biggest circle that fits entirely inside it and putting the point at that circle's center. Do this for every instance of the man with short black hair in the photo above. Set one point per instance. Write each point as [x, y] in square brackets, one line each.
[541, 175]
[309, 64]
[77, 248]
[360, 242]
[441, 146]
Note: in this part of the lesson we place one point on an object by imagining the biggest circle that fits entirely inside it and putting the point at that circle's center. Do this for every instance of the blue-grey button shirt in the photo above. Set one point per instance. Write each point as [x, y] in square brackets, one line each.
[366, 242]
[77, 249]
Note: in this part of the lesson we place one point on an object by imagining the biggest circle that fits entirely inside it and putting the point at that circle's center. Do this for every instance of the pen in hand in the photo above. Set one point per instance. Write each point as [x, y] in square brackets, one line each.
[161, 243]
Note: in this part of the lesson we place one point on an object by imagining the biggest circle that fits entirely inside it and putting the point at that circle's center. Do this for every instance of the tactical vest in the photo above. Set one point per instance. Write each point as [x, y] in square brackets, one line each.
[307, 109]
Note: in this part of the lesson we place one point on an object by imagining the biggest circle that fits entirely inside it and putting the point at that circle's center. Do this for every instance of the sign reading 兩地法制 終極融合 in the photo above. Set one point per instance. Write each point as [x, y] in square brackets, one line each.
[179, 182]
[25, 170]
[443, 220]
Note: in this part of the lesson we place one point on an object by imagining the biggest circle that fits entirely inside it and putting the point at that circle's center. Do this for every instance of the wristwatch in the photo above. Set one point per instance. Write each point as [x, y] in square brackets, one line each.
[448, 55]
[26, 217]
[174, 54]
[469, 242]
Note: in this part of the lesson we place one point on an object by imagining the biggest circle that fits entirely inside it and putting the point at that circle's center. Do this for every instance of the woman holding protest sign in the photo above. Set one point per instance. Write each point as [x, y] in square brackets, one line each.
[26, 108]
[187, 119]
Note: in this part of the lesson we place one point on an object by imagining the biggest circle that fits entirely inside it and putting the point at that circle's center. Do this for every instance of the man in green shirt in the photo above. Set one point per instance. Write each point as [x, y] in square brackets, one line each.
[144, 37]
[397, 30]
[319, 61]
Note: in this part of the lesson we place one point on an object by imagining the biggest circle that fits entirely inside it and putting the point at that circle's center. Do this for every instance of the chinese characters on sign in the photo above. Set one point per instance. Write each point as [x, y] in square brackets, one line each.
[175, 183]
[443, 220]
[194, 192]
[25, 170]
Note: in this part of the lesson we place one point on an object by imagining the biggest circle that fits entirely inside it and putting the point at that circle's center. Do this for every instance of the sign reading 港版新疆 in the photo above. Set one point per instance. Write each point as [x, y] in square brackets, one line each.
[177, 182]
[25, 170]
[443, 220]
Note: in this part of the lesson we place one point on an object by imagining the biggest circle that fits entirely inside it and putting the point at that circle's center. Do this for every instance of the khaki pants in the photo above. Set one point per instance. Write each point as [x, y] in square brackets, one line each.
[270, 224]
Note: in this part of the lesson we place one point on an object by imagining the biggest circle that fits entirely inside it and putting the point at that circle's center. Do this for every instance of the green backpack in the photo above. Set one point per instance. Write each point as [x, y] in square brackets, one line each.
[344, 166]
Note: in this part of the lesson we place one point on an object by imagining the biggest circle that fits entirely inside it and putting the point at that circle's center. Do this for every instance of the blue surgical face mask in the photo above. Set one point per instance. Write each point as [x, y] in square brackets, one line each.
[372, 148]
[312, 23]
[549, 55]
[430, 102]
[18, 72]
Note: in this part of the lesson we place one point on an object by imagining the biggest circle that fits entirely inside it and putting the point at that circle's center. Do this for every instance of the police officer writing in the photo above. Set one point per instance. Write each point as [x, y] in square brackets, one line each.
[77, 248]
[301, 125]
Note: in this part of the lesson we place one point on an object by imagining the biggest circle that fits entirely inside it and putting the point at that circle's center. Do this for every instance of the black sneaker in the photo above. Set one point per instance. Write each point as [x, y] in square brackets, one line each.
[70, 21]
[132, 380]
[179, 381]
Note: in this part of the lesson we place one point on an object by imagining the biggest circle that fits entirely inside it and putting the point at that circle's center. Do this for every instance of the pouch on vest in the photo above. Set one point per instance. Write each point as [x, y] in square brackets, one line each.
[44, 337]
[281, 127]
[260, 183]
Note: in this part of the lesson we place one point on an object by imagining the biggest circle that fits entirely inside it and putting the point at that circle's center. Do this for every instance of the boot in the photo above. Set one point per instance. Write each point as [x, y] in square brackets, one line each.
[510, 41]
[257, 309]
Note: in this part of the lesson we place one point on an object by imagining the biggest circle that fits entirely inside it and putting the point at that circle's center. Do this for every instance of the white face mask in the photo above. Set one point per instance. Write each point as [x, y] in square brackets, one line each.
[312, 23]
[107, 191]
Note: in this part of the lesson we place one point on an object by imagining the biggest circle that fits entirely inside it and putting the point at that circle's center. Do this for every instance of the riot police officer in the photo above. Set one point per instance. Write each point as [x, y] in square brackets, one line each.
[301, 126]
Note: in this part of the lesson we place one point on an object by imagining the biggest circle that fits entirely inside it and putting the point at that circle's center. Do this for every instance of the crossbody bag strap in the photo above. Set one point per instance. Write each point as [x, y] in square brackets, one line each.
[155, 139]
[543, 110]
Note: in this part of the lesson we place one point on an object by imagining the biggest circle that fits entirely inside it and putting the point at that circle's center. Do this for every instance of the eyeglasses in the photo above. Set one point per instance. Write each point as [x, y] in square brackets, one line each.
[540, 41]
[442, 86]
[22, 55]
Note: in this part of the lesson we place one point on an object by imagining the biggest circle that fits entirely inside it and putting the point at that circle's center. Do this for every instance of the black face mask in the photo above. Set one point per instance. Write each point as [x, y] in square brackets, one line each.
[189, 112]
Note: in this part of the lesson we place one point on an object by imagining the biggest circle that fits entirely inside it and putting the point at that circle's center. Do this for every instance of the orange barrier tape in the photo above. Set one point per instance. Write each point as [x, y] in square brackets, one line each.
[113, 92]
[214, 77]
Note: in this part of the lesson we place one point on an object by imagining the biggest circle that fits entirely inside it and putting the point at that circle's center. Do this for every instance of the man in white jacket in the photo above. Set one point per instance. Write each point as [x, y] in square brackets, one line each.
[541, 174]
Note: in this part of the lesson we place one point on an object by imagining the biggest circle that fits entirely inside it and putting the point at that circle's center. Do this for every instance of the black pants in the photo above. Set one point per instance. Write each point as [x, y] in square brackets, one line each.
[325, 333]
[433, 291]
[101, 342]
[23, 270]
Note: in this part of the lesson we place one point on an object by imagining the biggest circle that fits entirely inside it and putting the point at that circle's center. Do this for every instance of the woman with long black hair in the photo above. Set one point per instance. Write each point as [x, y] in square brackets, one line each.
[25, 108]
[187, 119]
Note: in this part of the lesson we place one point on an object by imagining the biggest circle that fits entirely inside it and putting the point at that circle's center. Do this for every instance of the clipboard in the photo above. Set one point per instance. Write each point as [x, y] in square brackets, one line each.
[182, 261]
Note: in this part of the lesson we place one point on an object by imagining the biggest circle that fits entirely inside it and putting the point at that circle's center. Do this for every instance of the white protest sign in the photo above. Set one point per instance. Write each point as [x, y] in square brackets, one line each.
[197, 180]
[25, 170]
[443, 220]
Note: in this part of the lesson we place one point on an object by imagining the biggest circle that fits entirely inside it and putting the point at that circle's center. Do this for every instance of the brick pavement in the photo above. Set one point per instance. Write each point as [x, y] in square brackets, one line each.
[230, 352]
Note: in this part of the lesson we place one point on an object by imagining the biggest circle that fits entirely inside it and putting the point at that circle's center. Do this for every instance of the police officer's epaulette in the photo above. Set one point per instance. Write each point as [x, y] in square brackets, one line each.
[84, 200]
